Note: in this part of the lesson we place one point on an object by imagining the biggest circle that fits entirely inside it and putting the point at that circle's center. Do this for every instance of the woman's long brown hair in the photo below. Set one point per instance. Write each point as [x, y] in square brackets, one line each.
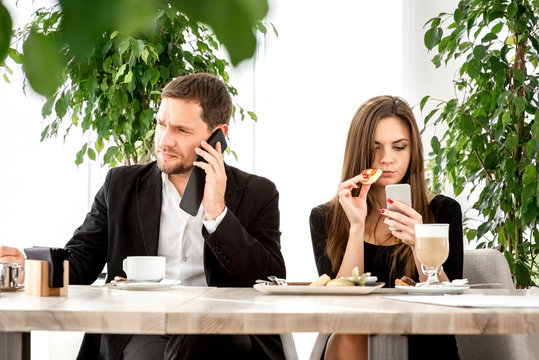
[359, 155]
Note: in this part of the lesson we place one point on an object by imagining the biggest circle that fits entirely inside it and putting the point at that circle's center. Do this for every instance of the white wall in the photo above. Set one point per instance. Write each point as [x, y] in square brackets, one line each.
[305, 86]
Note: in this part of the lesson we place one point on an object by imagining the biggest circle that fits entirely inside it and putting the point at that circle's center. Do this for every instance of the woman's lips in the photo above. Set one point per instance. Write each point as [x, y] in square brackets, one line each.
[387, 173]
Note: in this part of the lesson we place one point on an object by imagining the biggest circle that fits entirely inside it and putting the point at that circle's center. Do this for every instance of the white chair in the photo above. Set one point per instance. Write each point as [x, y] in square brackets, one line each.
[490, 266]
[481, 266]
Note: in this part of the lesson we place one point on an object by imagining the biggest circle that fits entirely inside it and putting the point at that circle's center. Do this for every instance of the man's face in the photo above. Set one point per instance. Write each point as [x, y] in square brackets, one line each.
[179, 130]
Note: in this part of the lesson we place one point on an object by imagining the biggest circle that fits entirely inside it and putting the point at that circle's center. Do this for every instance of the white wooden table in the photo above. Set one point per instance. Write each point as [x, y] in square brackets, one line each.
[193, 310]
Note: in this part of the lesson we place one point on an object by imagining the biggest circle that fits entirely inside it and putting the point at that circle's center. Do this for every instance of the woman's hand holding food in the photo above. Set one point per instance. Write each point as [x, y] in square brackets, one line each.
[404, 223]
[354, 207]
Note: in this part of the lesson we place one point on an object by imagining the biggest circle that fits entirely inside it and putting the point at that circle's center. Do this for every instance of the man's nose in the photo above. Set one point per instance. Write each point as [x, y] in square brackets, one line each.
[166, 139]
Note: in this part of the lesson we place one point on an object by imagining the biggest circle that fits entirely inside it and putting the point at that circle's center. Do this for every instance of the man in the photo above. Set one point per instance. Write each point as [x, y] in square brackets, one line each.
[232, 241]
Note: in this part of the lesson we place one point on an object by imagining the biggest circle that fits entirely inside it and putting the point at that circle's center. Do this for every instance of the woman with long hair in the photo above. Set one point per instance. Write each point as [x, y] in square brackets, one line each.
[353, 228]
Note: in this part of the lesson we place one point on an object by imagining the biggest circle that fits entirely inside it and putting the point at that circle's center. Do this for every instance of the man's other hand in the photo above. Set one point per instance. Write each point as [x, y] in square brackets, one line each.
[11, 255]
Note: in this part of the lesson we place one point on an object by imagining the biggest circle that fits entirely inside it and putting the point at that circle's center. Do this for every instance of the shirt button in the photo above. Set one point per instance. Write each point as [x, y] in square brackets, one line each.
[184, 259]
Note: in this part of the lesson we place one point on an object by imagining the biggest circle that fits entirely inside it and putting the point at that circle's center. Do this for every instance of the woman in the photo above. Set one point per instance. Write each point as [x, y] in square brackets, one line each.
[353, 228]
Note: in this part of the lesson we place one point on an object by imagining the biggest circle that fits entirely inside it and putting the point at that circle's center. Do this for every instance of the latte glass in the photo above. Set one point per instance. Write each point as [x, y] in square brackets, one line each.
[432, 248]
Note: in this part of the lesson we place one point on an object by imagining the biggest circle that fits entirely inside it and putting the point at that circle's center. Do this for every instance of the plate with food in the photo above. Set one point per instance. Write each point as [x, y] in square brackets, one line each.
[324, 285]
[411, 287]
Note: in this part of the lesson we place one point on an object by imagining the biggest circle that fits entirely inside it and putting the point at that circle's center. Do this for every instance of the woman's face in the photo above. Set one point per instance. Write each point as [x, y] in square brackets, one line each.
[391, 150]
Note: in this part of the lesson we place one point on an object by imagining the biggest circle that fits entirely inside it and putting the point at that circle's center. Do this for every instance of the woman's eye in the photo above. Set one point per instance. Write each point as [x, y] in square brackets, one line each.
[400, 148]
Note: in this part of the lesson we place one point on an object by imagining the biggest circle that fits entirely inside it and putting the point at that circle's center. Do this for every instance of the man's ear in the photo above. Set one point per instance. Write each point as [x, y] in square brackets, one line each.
[223, 127]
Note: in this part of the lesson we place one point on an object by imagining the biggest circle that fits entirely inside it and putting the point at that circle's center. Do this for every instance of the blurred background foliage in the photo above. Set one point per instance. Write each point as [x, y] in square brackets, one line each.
[106, 75]
[491, 139]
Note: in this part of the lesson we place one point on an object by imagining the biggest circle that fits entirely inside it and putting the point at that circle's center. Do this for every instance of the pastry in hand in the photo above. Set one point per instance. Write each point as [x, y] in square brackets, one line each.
[372, 175]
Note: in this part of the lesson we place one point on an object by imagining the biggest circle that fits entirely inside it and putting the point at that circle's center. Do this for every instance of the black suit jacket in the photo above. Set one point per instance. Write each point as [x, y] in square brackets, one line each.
[124, 221]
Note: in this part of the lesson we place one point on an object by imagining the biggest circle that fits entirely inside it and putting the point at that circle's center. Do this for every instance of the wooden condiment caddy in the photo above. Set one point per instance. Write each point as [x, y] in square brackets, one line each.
[37, 279]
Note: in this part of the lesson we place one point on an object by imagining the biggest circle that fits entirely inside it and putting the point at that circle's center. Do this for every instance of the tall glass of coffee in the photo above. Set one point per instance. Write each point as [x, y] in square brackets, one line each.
[432, 248]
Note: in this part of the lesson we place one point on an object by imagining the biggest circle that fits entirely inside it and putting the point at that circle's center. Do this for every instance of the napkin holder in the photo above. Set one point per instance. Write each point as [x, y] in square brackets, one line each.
[37, 279]
[47, 271]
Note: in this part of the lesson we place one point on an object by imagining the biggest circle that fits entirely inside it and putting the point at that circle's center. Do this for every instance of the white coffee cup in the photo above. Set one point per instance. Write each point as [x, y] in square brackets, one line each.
[145, 268]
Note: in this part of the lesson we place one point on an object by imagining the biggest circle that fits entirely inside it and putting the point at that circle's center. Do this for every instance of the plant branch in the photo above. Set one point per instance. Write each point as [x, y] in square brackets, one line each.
[482, 165]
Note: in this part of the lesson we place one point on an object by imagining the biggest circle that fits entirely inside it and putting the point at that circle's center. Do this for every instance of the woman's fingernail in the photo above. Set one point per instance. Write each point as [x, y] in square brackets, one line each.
[381, 211]
[390, 201]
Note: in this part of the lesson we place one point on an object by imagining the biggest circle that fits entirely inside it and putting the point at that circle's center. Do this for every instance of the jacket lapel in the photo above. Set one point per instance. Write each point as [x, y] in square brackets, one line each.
[233, 191]
[148, 198]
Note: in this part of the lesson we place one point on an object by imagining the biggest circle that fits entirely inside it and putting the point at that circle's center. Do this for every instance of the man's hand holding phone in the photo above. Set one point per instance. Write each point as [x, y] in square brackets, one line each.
[214, 190]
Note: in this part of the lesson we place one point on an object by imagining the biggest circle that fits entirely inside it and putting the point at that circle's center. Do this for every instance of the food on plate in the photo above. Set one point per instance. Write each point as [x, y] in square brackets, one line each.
[341, 282]
[400, 282]
[405, 281]
[355, 280]
[321, 281]
[372, 175]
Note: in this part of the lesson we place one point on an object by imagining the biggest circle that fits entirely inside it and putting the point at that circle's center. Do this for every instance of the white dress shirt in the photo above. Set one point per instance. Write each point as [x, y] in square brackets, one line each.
[180, 237]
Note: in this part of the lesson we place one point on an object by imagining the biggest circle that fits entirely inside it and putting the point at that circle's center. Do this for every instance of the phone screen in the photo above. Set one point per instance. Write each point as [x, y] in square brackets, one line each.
[399, 192]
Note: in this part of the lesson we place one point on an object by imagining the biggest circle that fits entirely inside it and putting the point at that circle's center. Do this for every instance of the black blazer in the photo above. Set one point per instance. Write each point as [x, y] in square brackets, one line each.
[124, 221]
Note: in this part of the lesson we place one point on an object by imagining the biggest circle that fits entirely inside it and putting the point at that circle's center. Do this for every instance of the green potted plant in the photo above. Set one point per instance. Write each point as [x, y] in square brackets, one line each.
[114, 91]
[492, 138]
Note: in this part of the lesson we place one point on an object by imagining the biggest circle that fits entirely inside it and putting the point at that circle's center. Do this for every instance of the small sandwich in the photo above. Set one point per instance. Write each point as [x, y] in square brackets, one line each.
[372, 175]
[321, 281]
[405, 281]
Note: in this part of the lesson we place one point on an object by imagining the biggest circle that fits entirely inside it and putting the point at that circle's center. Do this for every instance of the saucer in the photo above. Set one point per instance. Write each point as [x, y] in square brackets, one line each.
[146, 285]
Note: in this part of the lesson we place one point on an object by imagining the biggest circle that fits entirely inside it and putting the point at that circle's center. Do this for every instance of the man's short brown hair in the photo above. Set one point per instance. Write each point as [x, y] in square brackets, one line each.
[207, 90]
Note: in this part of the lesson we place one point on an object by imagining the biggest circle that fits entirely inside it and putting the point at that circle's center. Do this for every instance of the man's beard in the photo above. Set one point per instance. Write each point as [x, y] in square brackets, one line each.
[174, 169]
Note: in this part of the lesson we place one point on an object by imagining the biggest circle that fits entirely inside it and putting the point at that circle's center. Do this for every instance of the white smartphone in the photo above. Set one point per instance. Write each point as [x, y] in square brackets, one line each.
[400, 192]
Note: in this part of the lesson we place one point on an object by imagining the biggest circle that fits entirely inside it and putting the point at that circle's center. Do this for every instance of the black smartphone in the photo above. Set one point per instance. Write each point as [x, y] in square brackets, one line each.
[194, 190]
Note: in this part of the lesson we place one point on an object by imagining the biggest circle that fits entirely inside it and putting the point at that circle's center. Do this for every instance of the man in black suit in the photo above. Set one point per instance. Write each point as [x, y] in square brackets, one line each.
[232, 241]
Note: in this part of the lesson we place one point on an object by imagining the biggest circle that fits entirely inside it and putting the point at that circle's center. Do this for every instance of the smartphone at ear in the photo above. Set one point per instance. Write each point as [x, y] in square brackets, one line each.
[399, 192]
[194, 190]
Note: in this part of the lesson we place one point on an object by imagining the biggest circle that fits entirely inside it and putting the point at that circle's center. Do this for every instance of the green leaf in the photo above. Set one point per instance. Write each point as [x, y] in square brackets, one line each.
[138, 48]
[16, 56]
[530, 175]
[123, 45]
[506, 118]
[128, 77]
[42, 52]
[111, 151]
[47, 108]
[497, 28]
[433, 37]
[479, 52]
[423, 102]
[5, 31]
[6, 79]
[512, 140]
[512, 9]
[144, 55]
[252, 115]
[91, 154]
[80, 155]
[99, 144]
[60, 107]
[435, 143]
[518, 76]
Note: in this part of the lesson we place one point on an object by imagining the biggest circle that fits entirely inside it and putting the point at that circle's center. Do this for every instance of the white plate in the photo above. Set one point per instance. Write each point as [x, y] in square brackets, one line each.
[304, 289]
[133, 285]
[432, 290]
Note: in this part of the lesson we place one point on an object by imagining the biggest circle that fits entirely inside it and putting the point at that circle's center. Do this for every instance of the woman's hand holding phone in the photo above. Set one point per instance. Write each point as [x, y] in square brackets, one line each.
[403, 221]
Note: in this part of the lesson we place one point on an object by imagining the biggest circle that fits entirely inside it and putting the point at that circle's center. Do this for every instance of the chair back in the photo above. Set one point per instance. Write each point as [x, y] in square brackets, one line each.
[489, 266]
